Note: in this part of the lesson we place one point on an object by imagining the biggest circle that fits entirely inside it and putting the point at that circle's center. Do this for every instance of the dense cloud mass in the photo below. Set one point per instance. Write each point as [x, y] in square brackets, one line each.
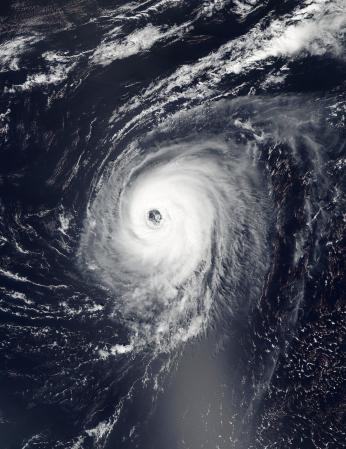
[206, 195]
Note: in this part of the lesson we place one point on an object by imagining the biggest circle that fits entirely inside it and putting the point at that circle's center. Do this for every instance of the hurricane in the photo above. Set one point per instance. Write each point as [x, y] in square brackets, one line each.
[172, 224]
[171, 221]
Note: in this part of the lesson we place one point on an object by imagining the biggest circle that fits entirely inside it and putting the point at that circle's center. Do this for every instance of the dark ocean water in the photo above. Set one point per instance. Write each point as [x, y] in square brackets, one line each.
[228, 331]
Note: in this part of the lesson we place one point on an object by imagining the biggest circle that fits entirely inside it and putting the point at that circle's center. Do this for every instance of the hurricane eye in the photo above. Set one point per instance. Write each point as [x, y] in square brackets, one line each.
[154, 217]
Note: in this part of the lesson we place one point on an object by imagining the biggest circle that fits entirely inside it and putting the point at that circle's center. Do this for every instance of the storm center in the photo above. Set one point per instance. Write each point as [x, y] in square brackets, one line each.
[154, 217]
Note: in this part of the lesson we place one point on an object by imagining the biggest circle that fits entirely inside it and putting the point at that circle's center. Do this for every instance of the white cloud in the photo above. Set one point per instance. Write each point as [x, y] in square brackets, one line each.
[313, 36]
[11, 51]
[135, 42]
[59, 65]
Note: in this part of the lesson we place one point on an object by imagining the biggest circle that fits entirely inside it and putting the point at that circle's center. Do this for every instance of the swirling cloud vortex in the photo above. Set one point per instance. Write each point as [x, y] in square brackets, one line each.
[164, 231]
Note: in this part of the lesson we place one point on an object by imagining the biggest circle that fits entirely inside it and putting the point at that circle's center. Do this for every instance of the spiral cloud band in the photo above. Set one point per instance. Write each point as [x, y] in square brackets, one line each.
[165, 230]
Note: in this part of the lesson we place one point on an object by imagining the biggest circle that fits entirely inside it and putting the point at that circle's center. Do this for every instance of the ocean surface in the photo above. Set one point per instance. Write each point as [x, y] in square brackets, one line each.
[172, 224]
